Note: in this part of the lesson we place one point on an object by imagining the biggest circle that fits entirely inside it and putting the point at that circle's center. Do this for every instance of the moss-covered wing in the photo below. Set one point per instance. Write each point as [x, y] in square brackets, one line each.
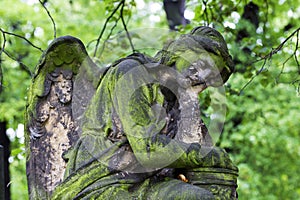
[64, 82]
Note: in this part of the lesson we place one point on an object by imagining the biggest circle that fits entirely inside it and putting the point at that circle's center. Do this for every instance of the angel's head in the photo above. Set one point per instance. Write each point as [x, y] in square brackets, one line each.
[201, 56]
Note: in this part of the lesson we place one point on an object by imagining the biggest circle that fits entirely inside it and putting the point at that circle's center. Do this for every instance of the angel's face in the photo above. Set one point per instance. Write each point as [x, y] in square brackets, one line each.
[63, 89]
[199, 68]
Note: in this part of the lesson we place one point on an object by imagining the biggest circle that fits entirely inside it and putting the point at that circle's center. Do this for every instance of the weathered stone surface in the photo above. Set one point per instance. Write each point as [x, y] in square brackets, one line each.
[56, 102]
[221, 182]
[141, 135]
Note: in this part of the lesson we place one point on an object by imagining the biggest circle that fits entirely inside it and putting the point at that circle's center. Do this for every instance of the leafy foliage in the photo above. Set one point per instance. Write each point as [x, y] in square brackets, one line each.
[261, 130]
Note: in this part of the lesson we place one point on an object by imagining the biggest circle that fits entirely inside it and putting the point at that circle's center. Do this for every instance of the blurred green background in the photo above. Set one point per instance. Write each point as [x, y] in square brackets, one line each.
[261, 132]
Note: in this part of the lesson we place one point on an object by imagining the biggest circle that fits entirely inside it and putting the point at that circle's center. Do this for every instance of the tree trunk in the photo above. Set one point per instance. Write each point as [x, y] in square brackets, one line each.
[4, 165]
[175, 13]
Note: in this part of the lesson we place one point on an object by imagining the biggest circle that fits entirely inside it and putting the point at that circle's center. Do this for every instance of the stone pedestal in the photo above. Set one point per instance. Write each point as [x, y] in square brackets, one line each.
[219, 181]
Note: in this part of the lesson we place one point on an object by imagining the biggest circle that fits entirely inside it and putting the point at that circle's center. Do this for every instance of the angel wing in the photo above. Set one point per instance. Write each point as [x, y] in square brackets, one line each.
[64, 82]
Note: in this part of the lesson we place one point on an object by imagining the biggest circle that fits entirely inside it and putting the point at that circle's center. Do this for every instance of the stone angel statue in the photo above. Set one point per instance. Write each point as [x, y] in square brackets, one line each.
[131, 130]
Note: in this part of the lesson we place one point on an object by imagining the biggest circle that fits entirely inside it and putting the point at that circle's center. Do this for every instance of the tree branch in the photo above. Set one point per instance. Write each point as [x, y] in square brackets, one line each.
[295, 52]
[51, 18]
[273, 52]
[4, 43]
[253, 77]
[1, 51]
[22, 65]
[279, 47]
[90, 42]
[282, 68]
[109, 35]
[205, 12]
[105, 24]
[19, 36]
[125, 27]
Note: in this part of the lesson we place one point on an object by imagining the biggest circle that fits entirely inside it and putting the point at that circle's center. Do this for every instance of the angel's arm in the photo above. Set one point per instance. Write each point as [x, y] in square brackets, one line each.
[143, 117]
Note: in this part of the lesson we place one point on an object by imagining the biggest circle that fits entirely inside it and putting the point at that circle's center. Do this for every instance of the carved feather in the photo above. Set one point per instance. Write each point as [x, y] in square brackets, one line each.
[64, 82]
